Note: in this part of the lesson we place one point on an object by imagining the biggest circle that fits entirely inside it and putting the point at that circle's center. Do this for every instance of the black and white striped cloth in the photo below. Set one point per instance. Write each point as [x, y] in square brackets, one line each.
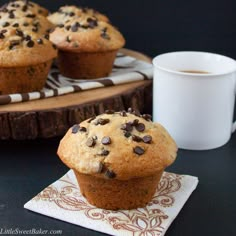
[126, 69]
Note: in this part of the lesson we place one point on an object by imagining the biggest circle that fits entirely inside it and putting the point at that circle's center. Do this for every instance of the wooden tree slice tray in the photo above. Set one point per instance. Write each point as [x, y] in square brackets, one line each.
[52, 117]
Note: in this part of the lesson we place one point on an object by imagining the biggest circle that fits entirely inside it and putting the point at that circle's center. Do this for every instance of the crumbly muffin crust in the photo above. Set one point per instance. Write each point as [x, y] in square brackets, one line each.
[118, 145]
[87, 34]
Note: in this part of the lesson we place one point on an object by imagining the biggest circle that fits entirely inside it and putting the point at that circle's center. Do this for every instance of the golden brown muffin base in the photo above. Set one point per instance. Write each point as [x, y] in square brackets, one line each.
[84, 65]
[23, 79]
[114, 194]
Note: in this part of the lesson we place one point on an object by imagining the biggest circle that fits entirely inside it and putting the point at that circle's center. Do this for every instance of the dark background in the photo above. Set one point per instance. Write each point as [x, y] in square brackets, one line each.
[158, 26]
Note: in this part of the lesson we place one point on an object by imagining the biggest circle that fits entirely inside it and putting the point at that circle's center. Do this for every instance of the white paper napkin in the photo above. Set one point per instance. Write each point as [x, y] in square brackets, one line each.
[62, 200]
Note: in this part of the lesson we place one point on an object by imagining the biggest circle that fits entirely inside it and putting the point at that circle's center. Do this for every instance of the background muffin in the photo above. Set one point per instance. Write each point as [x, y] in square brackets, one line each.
[30, 9]
[25, 59]
[25, 50]
[67, 13]
[87, 47]
[118, 158]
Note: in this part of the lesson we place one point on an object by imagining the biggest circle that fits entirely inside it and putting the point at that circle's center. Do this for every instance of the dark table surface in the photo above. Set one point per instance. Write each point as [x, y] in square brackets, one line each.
[29, 166]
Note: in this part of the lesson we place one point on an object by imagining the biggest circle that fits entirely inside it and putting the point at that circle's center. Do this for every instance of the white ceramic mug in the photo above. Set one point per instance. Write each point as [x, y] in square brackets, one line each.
[196, 106]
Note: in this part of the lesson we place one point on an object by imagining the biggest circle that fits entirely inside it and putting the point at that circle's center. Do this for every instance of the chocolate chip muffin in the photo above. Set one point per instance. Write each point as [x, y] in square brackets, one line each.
[118, 158]
[30, 9]
[87, 47]
[25, 59]
[67, 13]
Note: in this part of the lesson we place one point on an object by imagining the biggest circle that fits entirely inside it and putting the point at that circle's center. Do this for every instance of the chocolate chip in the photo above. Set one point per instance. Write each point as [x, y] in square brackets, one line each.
[75, 26]
[138, 150]
[5, 24]
[2, 36]
[147, 139]
[75, 129]
[147, 117]
[82, 129]
[90, 142]
[135, 122]
[71, 14]
[25, 8]
[106, 140]
[31, 15]
[123, 113]
[14, 43]
[127, 127]
[36, 24]
[104, 34]
[54, 46]
[92, 22]
[11, 15]
[110, 174]
[39, 41]
[68, 39]
[136, 138]
[103, 152]
[84, 26]
[35, 29]
[15, 25]
[91, 119]
[3, 31]
[25, 24]
[60, 25]
[109, 112]
[30, 44]
[101, 121]
[27, 38]
[19, 33]
[127, 134]
[140, 127]
[67, 27]
[46, 36]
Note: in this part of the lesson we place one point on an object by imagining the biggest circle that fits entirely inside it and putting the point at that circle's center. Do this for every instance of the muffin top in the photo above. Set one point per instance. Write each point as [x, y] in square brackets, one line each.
[87, 34]
[23, 47]
[67, 13]
[27, 8]
[38, 24]
[119, 145]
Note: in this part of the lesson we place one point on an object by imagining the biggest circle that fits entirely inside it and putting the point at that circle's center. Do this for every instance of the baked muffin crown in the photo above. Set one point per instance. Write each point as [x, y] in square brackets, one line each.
[67, 13]
[22, 47]
[87, 34]
[38, 24]
[117, 145]
[18, 8]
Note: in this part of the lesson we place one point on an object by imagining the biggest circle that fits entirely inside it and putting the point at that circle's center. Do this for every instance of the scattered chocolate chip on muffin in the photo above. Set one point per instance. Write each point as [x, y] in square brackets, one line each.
[67, 13]
[87, 47]
[30, 9]
[118, 158]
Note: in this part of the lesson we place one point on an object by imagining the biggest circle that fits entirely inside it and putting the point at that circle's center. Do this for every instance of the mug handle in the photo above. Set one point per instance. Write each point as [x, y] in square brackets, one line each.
[234, 123]
[234, 127]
